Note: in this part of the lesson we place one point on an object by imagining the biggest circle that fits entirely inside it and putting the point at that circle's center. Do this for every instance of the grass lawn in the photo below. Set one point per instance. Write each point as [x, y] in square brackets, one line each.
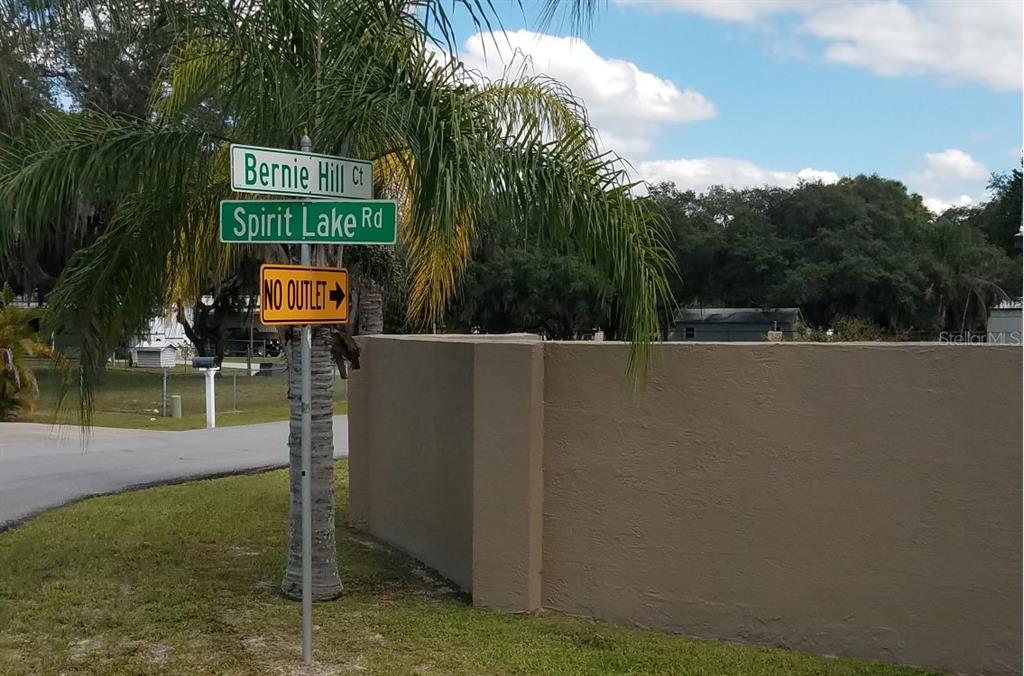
[183, 580]
[256, 361]
[132, 398]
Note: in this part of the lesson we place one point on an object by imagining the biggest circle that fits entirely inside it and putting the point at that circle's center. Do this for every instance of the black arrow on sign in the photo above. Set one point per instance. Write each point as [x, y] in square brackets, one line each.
[337, 295]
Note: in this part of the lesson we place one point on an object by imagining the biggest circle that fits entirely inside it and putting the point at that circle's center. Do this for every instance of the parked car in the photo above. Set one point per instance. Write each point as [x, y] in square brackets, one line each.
[236, 344]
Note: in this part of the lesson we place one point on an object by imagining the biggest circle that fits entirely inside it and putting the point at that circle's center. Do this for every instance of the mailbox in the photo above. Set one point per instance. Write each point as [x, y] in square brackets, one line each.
[204, 362]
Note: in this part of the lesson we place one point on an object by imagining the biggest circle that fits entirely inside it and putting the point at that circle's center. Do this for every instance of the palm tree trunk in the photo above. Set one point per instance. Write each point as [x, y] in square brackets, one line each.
[371, 307]
[326, 583]
[963, 321]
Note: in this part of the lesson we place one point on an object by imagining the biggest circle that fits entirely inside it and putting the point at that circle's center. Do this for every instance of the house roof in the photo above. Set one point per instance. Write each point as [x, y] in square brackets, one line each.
[737, 315]
[1009, 304]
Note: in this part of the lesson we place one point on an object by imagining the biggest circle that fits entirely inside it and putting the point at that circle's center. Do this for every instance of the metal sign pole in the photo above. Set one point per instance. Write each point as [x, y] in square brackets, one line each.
[307, 434]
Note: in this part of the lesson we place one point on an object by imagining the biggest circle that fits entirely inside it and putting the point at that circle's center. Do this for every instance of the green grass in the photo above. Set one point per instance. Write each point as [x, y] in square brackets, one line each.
[184, 579]
[256, 361]
[132, 398]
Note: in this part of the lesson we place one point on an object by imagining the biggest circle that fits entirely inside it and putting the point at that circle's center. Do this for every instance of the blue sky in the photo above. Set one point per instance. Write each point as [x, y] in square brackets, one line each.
[752, 92]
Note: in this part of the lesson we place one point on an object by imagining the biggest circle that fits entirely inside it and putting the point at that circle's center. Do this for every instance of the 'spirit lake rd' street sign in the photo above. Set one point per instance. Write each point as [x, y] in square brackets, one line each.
[289, 172]
[299, 294]
[310, 221]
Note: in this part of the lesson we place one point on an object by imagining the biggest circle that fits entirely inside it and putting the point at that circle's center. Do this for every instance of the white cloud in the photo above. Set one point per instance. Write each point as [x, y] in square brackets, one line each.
[821, 176]
[745, 11]
[951, 165]
[699, 174]
[937, 206]
[949, 178]
[627, 105]
[977, 41]
[957, 41]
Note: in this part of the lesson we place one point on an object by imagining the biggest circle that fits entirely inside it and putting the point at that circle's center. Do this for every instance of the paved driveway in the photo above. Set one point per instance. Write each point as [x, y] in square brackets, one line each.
[42, 467]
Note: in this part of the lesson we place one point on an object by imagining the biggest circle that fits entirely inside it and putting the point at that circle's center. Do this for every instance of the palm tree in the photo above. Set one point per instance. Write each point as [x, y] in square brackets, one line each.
[965, 270]
[18, 341]
[362, 78]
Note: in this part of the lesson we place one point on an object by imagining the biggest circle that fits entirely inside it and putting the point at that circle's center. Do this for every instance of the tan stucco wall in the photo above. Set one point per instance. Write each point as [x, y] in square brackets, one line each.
[844, 499]
[856, 500]
[508, 487]
[411, 474]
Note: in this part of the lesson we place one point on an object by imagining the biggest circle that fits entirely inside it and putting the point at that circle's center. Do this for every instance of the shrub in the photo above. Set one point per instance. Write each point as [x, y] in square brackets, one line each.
[846, 329]
[18, 342]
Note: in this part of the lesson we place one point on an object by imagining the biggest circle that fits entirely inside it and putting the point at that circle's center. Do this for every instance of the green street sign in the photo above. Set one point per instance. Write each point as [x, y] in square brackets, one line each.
[313, 222]
[290, 172]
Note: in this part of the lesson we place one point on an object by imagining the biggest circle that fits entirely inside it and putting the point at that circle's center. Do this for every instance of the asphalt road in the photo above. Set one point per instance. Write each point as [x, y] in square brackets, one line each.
[42, 467]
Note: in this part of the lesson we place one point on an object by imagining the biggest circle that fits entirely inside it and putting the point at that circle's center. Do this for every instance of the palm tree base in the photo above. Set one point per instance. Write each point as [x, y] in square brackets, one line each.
[323, 589]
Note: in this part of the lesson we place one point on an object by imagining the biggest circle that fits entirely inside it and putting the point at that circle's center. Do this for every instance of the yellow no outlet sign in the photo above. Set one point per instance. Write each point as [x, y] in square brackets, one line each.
[300, 294]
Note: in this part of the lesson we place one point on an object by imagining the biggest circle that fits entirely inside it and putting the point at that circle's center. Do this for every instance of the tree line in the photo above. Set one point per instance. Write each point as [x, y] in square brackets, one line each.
[862, 250]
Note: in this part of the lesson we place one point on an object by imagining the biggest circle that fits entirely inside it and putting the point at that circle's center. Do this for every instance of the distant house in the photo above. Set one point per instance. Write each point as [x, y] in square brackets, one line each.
[733, 323]
[156, 357]
[1005, 325]
[238, 329]
[162, 331]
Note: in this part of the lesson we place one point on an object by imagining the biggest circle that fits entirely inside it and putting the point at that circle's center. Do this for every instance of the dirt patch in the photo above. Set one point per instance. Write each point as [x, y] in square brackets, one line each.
[369, 544]
[436, 582]
[255, 643]
[84, 648]
[244, 551]
[356, 665]
[159, 652]
[285, 659]
[315, 669]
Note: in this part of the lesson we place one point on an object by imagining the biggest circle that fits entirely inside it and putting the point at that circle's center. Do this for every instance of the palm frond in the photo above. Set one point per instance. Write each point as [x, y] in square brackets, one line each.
[60, 158]
[522, 149]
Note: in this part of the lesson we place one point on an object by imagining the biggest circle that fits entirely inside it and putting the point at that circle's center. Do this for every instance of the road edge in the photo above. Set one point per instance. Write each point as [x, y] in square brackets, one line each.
[190, 478]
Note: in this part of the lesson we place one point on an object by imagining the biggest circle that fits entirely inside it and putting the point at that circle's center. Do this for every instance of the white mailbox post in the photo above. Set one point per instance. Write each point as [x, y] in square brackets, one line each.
[208, 365]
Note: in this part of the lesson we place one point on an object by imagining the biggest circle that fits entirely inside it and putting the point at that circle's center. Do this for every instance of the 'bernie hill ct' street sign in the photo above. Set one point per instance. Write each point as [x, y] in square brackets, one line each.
[290, 172]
